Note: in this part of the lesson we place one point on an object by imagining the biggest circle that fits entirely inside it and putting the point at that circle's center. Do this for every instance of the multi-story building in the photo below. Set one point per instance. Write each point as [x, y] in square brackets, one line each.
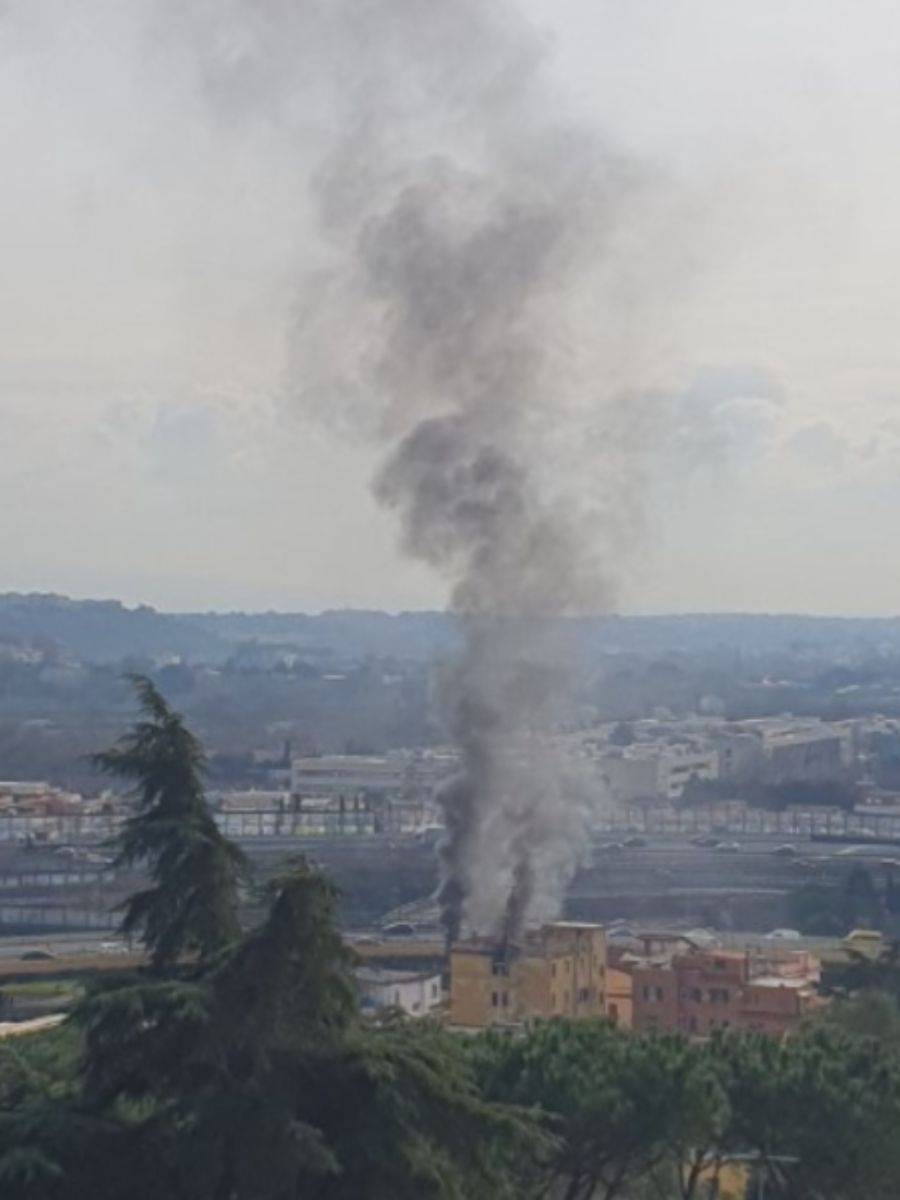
[346, 775]
[403, 780]
[698, 991]
[619, 997]
[779, 750]
[649, 771]
[558, 970]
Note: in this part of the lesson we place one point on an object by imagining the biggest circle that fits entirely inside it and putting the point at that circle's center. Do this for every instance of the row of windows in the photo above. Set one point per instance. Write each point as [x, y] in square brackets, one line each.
[713, 995]
[593, 961]
[583, 996]
[651, 994]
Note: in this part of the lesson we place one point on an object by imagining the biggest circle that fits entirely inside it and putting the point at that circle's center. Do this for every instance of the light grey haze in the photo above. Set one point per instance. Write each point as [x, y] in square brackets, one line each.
[151, 251]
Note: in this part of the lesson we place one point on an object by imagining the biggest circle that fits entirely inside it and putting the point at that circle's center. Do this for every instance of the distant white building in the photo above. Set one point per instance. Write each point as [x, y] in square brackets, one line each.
[785, 750]
[415, 993]
[253, 800]
[347, 775]
[405, 779]
[655, 771]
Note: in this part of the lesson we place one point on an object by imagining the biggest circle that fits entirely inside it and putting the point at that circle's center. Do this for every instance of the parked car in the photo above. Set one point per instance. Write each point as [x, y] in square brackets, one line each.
[114, 948]
[702, 937]
[727, 848]
[864, 939]
[786, 851]
[707, 840]
[620, 933]
[36, 956]
[399, 929]
[635, 842]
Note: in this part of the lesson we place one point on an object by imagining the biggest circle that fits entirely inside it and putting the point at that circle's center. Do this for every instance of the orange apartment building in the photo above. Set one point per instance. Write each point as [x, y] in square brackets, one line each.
[698, 991]
[558, 970]
[619, 997]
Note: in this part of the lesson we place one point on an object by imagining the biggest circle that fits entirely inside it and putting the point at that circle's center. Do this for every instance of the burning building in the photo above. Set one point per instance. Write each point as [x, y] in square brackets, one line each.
[558, 970]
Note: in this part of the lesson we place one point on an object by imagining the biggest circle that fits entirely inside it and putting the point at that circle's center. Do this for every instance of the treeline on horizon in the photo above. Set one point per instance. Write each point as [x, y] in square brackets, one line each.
[362, 682]
[236, 1065]
[107, 631]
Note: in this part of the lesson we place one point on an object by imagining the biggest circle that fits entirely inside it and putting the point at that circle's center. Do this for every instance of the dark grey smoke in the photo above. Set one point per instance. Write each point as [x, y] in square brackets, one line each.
[479, 307]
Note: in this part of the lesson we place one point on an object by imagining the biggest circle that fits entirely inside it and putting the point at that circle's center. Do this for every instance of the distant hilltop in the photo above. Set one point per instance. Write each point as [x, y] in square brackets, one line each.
[107, 631]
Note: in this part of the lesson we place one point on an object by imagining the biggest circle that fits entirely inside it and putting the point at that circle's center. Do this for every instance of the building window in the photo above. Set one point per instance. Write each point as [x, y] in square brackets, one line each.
[645, 993]
[553, 970]
[505, 998]
[495, 1000]
[614, 1013]
[434, 991]
[719, 964]
[696, 995]
[500, 968]
[659, 995]
[566, 999]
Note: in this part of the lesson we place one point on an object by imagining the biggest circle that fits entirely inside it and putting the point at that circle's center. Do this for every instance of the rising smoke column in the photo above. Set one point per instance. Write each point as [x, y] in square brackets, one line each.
[481, 266]
[468, 264]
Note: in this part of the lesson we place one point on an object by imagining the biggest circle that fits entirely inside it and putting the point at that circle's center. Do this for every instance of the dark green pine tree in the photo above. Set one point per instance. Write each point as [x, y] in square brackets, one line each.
[191, 906]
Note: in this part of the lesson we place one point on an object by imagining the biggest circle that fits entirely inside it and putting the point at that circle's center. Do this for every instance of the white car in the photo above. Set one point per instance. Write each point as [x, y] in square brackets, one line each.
[113, 948]
[784, 935]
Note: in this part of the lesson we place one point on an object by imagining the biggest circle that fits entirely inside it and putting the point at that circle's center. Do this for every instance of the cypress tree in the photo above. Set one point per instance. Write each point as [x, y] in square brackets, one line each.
[191, 906]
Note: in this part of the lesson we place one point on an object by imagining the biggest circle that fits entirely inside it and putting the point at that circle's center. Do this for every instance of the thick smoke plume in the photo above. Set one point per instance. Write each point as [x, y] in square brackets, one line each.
[480, 309]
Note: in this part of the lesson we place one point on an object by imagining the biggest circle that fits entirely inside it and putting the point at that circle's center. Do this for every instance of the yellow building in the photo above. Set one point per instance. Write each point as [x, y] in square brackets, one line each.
[620, 997]
[558, 970]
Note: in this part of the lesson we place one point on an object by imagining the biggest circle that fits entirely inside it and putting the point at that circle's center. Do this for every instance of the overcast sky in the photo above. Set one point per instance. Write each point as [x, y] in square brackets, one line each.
[149, 264]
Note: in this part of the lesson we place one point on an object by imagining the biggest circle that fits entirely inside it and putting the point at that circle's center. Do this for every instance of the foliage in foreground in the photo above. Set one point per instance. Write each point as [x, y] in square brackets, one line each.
[236, 1067]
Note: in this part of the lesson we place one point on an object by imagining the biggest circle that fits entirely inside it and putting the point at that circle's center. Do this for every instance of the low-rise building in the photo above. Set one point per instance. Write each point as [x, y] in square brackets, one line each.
[37, 799]
[252, 800]
[400, 783]
[558, 970]
[415, 993]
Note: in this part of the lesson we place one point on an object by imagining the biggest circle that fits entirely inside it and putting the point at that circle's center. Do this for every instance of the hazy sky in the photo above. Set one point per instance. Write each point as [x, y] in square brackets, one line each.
[149, 264]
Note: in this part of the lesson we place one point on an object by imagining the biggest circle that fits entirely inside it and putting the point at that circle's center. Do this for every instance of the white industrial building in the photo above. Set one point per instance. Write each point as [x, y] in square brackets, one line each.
[655, 771]
[784, 750]
[417, 994]
[398, 773]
